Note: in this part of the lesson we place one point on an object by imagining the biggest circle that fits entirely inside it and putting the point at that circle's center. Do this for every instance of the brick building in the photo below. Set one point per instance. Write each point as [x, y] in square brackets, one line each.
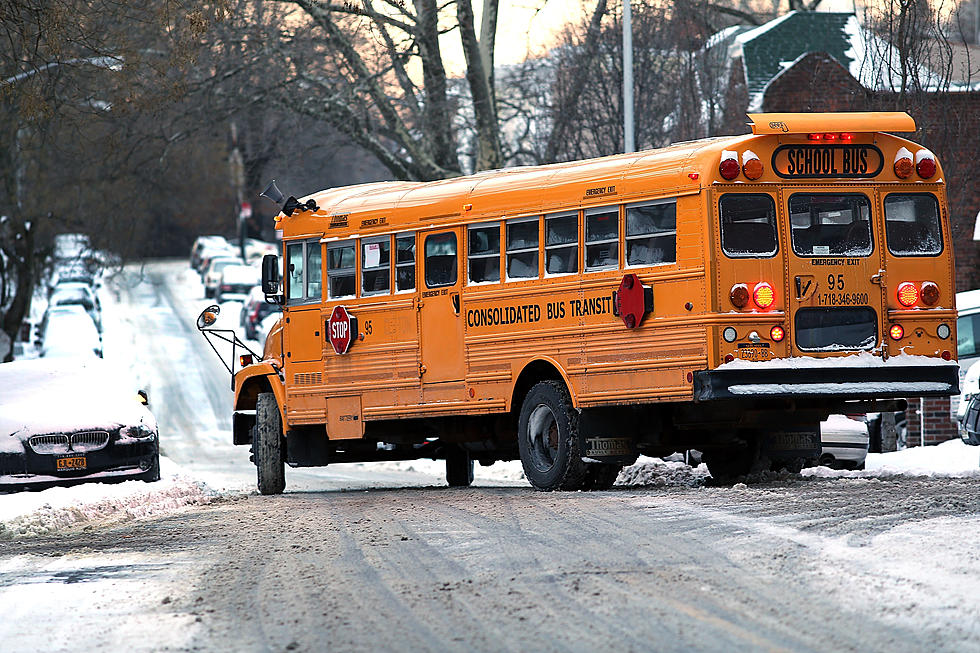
[815, 61]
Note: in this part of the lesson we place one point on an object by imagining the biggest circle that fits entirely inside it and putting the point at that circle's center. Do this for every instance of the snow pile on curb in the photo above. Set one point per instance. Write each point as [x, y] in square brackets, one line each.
[949, 459]
[659, 473]
[62, 508]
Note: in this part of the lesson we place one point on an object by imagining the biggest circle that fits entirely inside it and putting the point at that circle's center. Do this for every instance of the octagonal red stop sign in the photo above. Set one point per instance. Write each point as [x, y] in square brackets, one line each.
[341, 329]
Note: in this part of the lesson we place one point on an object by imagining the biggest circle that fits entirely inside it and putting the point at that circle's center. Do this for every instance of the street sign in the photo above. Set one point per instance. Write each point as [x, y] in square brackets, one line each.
[246, 211]
[341, 329]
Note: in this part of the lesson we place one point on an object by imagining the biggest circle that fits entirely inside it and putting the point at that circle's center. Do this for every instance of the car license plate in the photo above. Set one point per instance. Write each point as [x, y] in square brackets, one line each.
[754, 353]
[69, 463]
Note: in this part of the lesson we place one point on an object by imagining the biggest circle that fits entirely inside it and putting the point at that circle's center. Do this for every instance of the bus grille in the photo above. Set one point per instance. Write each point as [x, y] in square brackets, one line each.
[89, 440]
[836, 329]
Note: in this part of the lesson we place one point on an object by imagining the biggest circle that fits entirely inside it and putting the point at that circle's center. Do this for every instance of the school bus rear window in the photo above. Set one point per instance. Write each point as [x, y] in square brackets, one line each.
[823, 224]
[748, 225]
[912, 224]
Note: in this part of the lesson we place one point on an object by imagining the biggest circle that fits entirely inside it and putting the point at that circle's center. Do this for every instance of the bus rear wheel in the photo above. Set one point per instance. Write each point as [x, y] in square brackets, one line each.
[547, 432]
[267, 445]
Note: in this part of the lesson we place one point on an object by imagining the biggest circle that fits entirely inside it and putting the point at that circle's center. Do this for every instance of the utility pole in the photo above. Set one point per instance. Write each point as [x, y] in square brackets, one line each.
[237, 170]
[628, 137]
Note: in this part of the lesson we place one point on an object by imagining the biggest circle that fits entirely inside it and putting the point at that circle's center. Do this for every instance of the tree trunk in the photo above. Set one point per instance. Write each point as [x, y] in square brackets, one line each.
[479, 74]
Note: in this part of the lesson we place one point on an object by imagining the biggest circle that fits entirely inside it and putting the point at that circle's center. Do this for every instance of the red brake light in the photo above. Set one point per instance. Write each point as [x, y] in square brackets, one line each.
[739, 295]
[763, 295]
[907, 294]
[926, 166]
[777, 333]
[830, 137]
[896, 332]
[930, 293]
[946, 355]
[815, 137]
[847, 137]
[729, 169]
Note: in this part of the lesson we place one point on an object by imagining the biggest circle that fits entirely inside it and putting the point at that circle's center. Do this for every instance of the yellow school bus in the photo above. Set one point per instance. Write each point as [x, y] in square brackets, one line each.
[724, 295]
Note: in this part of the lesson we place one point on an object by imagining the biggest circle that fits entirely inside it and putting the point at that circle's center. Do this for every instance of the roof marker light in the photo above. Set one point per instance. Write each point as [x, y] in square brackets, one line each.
[815, 137]
[846, 137]
[830, 137]
[903, 164]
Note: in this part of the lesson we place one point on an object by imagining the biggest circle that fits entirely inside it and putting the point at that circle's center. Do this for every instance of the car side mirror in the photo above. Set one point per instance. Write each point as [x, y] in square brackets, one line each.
[270, 274]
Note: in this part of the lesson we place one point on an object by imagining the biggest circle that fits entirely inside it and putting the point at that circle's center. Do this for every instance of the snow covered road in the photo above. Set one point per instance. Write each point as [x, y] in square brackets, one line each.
[385, 557]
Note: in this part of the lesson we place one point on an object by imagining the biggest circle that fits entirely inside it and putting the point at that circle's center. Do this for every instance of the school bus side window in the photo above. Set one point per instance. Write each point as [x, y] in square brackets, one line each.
[748, 225]
[405, 262]
[340, 270]
[561, 243]
[484, 253]
[313, 270]
[601, 238]
[294, 271]
[651, 233]
[440, 260]
[375, 265]
[522, 248]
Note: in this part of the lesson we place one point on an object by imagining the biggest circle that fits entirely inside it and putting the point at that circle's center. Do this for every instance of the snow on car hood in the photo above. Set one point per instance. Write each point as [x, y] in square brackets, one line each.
[57, 396]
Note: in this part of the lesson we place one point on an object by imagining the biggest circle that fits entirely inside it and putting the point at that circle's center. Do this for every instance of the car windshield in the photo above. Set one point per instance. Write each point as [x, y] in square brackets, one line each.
[967, 330]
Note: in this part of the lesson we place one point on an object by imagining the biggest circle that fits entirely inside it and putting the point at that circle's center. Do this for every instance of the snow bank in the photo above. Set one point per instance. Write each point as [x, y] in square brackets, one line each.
[660, 473]
[63, 508]
[949, 459]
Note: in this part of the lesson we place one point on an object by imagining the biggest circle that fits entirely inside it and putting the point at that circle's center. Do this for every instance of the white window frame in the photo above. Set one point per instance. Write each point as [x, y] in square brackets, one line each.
[627, 237]
[536, 219]
[369, 241]
[470, 257]
[598, 210]
[343, 271]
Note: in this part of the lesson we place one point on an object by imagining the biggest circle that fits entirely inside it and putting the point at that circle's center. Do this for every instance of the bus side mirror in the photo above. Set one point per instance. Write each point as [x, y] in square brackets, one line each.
[270, 274]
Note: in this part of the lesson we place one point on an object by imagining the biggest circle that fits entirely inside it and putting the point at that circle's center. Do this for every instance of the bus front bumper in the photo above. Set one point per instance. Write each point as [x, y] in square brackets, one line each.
[826, 381]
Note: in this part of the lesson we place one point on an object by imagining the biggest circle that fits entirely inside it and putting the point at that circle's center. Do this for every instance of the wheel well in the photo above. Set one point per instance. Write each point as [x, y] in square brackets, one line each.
[534, 372]
[249, 394]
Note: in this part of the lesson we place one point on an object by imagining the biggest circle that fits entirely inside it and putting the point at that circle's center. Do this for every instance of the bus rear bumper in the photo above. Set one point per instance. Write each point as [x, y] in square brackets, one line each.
[892, 381]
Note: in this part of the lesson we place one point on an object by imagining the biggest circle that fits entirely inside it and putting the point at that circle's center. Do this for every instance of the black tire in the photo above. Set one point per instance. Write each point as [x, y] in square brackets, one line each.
[600, 476]
[547, 434]
[267, 445]
[153, 473]
[459, 468]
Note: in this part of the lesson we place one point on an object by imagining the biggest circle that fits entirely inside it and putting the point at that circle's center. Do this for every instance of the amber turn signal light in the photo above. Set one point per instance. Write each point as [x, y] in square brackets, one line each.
[929, 293]
[897, 332]
[739, 295]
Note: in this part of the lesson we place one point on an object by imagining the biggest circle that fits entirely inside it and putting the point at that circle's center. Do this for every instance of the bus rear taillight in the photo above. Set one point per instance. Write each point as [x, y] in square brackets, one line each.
[777, 333]
[925, 164]
[907, 294]
[903, 164]
[763, 295]
[930, 293]
[739, 295]
[897, 332]
[728, 168]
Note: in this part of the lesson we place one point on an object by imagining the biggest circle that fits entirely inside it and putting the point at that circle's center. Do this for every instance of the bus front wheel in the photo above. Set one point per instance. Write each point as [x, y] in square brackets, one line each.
[267, 445]
[547, 431]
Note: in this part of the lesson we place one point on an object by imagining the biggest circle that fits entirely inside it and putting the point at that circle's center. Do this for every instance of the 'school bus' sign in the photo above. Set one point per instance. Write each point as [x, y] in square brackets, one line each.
[825, 161]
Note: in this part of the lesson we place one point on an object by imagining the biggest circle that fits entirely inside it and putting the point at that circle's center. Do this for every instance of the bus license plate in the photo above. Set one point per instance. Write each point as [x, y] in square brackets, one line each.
[69, 463]
[754, 353]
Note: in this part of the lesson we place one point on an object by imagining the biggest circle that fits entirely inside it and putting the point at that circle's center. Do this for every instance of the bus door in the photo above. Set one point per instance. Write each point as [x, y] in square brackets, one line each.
[835, 269]
[440, 324]
[303, 337]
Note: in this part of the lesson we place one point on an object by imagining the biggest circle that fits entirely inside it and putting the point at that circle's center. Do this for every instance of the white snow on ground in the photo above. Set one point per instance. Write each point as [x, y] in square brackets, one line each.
[61, 508]
[950, 459]
[504, 471]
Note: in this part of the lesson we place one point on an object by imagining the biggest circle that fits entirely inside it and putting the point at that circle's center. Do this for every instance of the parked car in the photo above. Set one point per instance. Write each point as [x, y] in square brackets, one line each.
[844, 442]
[212, 274]
[202, 243]
[71, 334]
[236, 283]
[967, 338]
[254, 310]
[255, 249]
[265, 325]
[971, 421]
[100, 431]
[215, 250]
[80, 294]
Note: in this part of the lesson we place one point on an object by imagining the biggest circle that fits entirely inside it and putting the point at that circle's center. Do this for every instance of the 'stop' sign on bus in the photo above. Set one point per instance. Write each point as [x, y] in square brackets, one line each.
[824, 161]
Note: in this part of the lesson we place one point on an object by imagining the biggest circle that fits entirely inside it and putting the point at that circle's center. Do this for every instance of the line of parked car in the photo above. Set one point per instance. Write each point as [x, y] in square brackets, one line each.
[229, 277]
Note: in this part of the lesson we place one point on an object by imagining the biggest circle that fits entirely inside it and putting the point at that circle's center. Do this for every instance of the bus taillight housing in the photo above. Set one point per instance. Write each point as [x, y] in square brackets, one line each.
[907, 294]
[764, 295]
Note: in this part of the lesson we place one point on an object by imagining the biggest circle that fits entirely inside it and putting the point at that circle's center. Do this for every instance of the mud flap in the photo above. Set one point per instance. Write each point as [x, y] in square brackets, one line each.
[791, 443]
[606, 436]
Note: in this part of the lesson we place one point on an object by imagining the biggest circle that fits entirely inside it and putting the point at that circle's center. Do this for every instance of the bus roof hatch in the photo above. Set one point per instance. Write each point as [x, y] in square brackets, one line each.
[805, 123]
